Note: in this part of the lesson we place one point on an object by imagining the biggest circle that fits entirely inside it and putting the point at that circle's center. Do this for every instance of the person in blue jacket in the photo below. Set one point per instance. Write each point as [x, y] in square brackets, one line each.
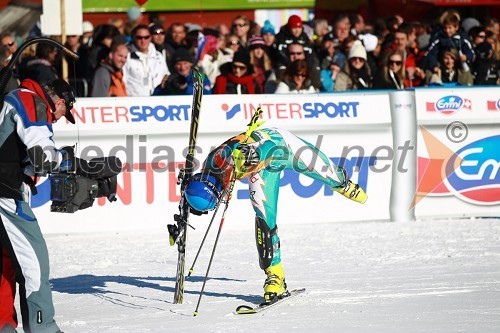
[180, 82]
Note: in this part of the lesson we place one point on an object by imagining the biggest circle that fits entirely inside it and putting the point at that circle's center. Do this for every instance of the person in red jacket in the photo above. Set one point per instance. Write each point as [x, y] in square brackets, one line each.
[239, 79]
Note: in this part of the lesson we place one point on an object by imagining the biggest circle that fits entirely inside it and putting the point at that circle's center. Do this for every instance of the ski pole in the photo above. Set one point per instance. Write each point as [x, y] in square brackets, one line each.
[230, 191]
[252, 126]
[204, 238]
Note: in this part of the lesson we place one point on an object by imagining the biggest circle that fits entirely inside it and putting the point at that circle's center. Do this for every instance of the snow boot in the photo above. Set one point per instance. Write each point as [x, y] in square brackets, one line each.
[275, 286]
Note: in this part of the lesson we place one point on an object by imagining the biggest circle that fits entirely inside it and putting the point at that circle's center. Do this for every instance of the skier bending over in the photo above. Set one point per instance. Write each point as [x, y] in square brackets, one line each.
[262, 156]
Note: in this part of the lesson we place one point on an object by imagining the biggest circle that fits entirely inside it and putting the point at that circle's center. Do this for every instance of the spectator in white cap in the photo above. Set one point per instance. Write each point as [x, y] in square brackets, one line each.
[356, 74]
[87, 31]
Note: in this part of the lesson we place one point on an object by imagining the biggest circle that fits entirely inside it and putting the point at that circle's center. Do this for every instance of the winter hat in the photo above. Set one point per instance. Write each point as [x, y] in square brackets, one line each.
[469, 23]
[87, 27]
[483, 50]
[244, 58]
[154, 27]
[268, 28]
[208, 46]
[133, 13]
[369, 41]
[182, 54]
[256, 42]
[294, 21]
[357, 50]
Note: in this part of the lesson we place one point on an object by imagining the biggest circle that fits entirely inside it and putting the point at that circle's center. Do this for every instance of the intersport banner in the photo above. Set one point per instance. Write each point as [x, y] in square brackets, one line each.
[150, 136]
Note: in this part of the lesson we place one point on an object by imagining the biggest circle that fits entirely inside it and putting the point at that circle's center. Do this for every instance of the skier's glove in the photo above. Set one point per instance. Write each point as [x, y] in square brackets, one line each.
[245, 156]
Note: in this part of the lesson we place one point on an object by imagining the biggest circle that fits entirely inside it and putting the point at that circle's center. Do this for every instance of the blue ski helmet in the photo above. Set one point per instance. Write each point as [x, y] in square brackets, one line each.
[203, 191]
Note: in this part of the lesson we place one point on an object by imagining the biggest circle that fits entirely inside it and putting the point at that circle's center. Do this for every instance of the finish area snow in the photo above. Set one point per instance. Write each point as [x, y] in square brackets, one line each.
[424, 276]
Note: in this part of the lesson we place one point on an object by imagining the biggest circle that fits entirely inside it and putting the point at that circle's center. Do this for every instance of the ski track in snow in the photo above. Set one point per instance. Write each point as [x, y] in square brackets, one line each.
[424, 276]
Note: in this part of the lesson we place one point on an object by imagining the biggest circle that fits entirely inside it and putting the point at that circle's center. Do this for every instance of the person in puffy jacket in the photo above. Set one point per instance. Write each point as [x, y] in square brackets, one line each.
[239, 80]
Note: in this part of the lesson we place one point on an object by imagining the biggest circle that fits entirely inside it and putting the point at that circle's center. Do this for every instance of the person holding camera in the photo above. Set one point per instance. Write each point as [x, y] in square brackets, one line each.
[180, 82]
[27, 150]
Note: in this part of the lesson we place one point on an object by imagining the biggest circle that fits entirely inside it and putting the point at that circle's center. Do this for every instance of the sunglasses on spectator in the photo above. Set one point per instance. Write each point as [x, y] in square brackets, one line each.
[241, 25]
[300, 75]
[159, 32]
[9, 44]
[233, 42]
[357, 59]
[143, 37]
[395, 62]
[241, 68]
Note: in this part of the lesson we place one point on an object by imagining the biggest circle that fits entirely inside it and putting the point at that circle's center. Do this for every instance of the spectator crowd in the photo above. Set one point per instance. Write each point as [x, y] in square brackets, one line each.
[130, 58]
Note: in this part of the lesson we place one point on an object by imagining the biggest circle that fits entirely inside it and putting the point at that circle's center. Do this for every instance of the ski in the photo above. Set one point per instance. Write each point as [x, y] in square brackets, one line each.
[178, 232]
[246, 309]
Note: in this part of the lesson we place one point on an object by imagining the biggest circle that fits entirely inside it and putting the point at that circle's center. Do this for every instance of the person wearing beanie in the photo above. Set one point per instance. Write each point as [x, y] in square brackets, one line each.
[240, 79]
[180, 82]
[267, 28]
[292, 33]
[485, 67]
[268, 34]
[356, 74]
[158, 38]
[261, 63]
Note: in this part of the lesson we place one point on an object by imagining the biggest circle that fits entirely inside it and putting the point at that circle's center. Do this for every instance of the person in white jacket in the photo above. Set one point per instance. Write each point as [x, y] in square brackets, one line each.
[146, 68]
[296, 79]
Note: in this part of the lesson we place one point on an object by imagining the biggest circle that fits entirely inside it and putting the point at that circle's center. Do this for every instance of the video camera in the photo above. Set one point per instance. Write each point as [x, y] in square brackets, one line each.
[70, 192]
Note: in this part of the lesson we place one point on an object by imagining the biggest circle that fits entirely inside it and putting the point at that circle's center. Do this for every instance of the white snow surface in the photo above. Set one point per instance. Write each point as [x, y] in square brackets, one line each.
[424, 276]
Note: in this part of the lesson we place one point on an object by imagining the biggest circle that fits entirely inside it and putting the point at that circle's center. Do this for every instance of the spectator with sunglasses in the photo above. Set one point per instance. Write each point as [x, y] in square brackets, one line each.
[296, 79]
[241, 28]
[297, 51]
[239, 80]
[146, 68]
[392, 73]
[8, 40]
[158, 39]
[356, 74]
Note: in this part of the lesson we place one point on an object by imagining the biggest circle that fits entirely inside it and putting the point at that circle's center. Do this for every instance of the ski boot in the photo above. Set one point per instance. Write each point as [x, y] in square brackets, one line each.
[353, 191]
[275, 286]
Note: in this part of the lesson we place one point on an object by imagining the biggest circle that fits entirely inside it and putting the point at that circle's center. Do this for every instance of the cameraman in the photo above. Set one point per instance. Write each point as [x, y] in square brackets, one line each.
[27, 150]
[180, 81]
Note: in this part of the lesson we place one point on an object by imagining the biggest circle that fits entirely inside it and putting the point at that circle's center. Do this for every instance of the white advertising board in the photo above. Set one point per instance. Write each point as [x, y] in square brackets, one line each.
[458, 152]
[149, 134]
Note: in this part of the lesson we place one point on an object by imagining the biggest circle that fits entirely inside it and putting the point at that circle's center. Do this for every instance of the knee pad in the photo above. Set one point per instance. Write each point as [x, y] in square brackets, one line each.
[263, 239]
